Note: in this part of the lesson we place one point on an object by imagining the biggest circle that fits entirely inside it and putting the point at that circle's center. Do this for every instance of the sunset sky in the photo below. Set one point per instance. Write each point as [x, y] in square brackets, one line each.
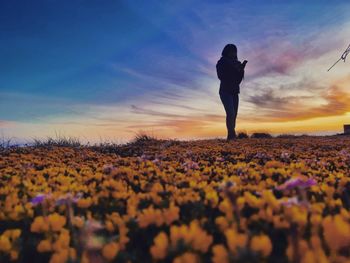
[105, 70]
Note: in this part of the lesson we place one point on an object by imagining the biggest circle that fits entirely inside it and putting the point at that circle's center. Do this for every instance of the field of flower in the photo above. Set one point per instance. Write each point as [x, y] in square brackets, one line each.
[250, 200]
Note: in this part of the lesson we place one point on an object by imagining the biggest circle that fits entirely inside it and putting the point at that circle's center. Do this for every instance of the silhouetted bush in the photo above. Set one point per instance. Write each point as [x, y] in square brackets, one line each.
[261, 135]
[143, 137]
[287, 136]
[242, 135]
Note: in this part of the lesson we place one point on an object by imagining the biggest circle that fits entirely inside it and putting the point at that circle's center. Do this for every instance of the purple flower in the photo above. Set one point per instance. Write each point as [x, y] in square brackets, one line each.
[156, 161]
[68, 198]
[290, 201]
[190, 165]
[39, 199]
[297, 182]
[107, 168]
[220, 159]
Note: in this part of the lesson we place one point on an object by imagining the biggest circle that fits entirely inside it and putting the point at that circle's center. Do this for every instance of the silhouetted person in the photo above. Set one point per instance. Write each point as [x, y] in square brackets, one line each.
[230, 71]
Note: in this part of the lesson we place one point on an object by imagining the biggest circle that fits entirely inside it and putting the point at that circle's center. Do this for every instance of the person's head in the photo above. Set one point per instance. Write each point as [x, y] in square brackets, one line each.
[230, 51]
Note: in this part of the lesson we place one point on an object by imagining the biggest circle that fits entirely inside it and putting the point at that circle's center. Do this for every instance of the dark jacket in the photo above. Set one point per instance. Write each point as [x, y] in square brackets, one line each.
[230, 72]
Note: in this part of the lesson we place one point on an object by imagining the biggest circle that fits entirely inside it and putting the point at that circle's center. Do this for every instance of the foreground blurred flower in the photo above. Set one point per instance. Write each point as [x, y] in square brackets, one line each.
[44, 246]
[68, 198]
[192, 236]
[187, 257]
[5, 244]
[110, 250]
[220, 254]
[261, 244]
[226, 185]
[235, 241]
[336, 232]
[39, 225]
[159, 249]
[289, 201]
[54, 222]
[297, 182]
[39, 198]
[190, 165]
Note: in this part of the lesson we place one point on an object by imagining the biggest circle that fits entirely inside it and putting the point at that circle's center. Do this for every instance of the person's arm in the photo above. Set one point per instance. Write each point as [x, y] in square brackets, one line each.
[238, 71]
[219, 70]
[241, 76]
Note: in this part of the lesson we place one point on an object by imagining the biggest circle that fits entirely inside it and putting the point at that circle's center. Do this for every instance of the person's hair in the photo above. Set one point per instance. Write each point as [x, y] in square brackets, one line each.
[228, 49]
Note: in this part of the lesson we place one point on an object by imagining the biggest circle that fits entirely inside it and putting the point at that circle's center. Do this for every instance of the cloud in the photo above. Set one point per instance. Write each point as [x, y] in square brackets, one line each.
[5, 124]
[181, 106]
[282, 55]
[187, 126]
[274, 108]
[140, 110]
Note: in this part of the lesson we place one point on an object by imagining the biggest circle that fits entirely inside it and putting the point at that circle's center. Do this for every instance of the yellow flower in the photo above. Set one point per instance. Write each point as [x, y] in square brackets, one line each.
[220, 254]
[212, 197]
[62, 243]
[85, 258]
[222, 223]
[200, 239]
[308, 257]
[262, 244]
[187, 257]
[84, 202]
[271, 200]
[315, 220]
[235, 240]
[39, 225]
[192, 235]
[12, 234]
[5, 244]
[56, 221]
[60, 256]
[150, 216]
[13, 255]
[252, 200]
[297, 215]
[44, 246]
[302, 247]
[159, 249]
[109, 226]
[78, 221]
[171, 214]
[226, 207]
[110, 250]
[336, 232]
[72, 254]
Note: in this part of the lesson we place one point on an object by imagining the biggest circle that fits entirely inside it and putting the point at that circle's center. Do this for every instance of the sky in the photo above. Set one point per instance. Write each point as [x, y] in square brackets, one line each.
[108, 70]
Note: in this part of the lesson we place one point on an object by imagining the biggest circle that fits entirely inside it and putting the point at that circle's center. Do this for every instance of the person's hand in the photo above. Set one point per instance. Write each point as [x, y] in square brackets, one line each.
[244, 63]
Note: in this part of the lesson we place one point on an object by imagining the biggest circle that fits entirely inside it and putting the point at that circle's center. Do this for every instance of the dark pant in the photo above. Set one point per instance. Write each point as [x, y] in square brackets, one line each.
[230, 102]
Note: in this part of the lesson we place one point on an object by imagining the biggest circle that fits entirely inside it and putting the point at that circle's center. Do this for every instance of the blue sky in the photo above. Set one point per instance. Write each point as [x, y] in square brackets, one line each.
[110, 68]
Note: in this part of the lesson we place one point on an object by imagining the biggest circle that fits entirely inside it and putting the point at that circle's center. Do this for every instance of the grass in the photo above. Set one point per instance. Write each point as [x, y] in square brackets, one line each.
[5, 142]
[141, 138]
[59, 140]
